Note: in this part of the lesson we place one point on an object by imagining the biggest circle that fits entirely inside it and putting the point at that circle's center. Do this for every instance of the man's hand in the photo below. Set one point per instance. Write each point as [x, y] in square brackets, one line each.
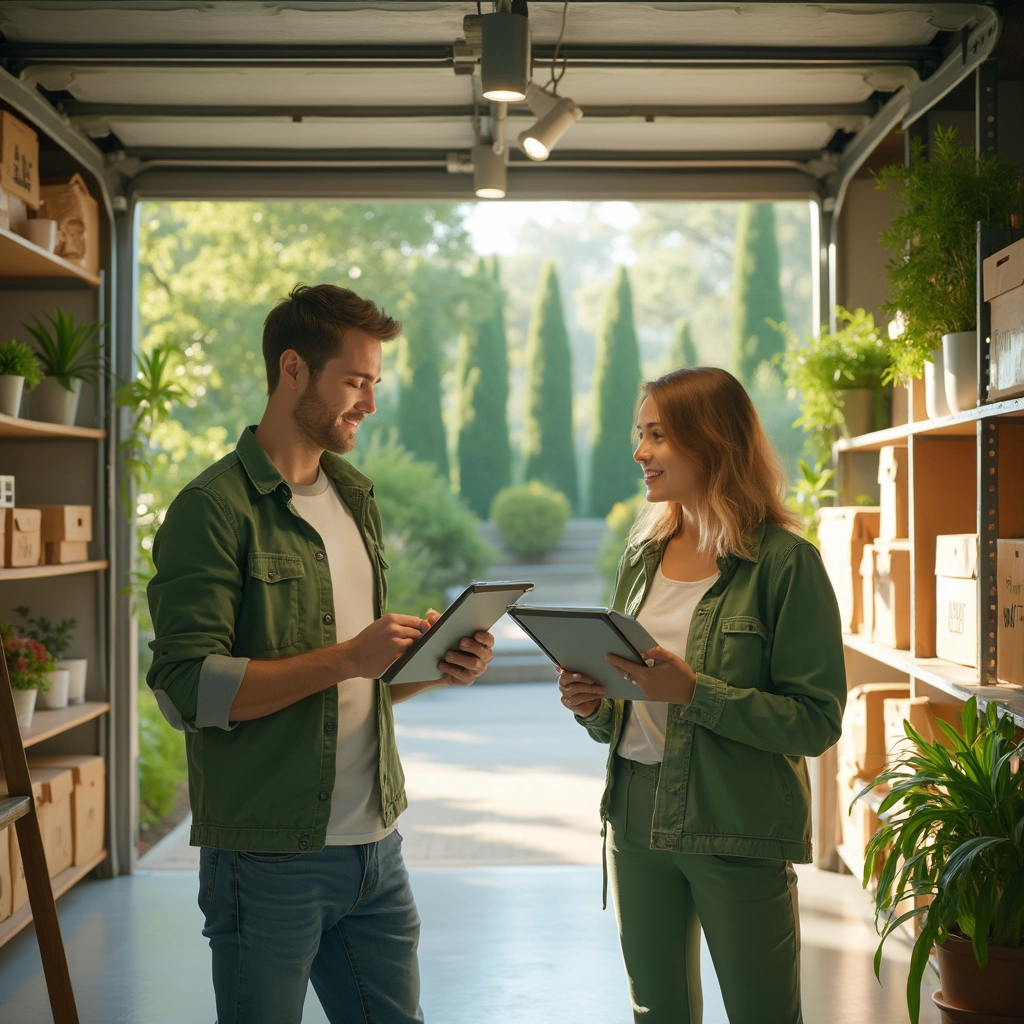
[665, 677]
[383, 642]
[580, 694]
[464, 666]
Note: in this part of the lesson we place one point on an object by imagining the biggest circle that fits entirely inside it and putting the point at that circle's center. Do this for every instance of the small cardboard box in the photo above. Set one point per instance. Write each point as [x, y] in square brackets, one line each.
[956, 598]
[1010, 595]
[862, 744]
[922, 713]
[88, 800]
[19, 150]
[867, 585]
[859, 822]
[55, 821]
[23, 538]
[893, 473]
[66, 532]
[1003, 287]
[892, 594]
[19, 888]
[842, 534]
[6, 881]
[77, 214]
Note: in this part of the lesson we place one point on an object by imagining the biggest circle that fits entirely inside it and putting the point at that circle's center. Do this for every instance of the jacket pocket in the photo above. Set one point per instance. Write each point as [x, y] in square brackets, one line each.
[744, 646]
[272, 600]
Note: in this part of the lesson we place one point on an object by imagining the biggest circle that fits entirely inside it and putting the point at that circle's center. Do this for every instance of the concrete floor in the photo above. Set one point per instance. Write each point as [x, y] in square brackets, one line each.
[503, 849]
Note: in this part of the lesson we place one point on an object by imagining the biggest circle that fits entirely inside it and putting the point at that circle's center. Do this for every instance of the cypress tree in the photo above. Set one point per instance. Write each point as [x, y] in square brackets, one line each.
[682, 351]
[613, 473]
[548, 452]
[485, 459]
[758, 293]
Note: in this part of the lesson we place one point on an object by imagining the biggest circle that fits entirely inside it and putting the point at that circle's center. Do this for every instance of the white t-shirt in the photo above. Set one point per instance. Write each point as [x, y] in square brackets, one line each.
[355, 804]
[666, 615]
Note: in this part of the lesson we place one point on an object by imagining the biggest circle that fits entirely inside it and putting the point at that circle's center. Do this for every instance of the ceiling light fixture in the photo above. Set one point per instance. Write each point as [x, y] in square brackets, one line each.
[555, 116]
[505, 61]
[490, 171]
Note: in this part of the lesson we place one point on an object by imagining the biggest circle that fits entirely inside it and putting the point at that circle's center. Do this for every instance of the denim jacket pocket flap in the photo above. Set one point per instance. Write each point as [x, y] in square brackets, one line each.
[745, 624]
[271, 568]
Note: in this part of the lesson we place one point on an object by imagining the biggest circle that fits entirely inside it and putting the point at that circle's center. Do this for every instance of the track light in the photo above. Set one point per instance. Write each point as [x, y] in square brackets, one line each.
[490, 172]
[505, 61]
[555, 116]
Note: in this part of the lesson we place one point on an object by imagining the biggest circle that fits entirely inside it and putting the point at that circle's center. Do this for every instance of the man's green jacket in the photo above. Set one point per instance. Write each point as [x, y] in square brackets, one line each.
[766, 645]
[239, 575]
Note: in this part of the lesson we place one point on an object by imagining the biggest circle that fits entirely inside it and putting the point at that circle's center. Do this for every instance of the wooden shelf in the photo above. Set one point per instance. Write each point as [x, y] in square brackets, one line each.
[60, 883]
[21, 258]
[853, 859]
[34, 572]
[15, 426]
[47, 724]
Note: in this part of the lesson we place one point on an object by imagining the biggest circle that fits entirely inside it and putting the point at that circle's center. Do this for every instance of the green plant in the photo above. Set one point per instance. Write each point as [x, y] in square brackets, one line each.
[682, 351]
[28, 660]
[530, 517]
[619, 522]
[809, 492]
[818, 369]
[955, 833]
[70, 352]
[162, 763]
[18, 360]
[758, 302]
[932, 272]
[54, 636]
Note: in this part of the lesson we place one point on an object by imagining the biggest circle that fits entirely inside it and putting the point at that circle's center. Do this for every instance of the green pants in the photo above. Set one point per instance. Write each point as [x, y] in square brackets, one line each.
[746, 906]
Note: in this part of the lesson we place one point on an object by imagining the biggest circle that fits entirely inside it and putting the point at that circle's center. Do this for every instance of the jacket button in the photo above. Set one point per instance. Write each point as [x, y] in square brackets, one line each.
[271, 575]
[328, 619]
[328, 727]
[321, 796]
[319, 556]
[304, 843]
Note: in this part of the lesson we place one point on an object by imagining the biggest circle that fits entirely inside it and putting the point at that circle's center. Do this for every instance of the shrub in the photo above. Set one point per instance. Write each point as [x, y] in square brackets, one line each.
[531, 518]
[162, 764]
[18, 360]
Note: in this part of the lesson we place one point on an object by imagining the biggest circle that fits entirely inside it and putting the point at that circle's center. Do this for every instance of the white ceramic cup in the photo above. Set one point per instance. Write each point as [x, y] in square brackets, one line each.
[41, 232]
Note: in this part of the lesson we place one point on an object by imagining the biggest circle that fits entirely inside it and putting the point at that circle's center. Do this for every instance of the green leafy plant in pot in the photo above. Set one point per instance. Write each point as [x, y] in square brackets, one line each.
[955, 835]
[19, 371]
[933, 270]
[70, 355]
[56, 637]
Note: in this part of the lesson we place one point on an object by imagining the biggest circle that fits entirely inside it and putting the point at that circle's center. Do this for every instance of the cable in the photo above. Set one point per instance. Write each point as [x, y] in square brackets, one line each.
[556, 78]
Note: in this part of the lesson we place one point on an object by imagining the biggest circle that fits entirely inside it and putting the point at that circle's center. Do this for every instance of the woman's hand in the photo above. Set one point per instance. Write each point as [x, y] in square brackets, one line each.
[665, 677]
[464, 666]
[580, 694]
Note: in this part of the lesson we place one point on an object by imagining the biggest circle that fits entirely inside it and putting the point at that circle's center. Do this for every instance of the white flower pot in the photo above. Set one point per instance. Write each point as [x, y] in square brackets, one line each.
[960, 369]
[11, 387]
[57, 695]
[935, 404]
[858, 406]
[53, 403]
[24, 706]
[79, 670]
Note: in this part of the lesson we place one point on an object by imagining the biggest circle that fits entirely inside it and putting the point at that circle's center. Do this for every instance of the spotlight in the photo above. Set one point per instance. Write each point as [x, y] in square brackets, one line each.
[505, 61]
[490, 172]
[554, 118]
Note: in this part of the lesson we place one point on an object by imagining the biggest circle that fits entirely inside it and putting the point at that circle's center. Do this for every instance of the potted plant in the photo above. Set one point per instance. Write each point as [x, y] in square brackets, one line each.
[19, 369]
[933, 271]
[840, 378]
[69, 355]
[56, 638]
[952, 847]
[28, 664]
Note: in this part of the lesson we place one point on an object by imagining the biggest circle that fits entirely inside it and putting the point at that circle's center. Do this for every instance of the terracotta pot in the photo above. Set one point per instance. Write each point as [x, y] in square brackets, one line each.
[960, 370]
[11, 388]
[57, 695]
[79, 669]
[24, 706]
[53, 403]
[949, 1014]
[996, 989]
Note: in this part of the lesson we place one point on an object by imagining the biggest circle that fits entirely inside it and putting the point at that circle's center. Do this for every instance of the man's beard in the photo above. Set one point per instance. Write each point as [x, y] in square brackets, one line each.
[317, 422]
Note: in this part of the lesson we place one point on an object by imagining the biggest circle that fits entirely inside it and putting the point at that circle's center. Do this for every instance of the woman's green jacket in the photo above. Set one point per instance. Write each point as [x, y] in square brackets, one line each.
[766, 645]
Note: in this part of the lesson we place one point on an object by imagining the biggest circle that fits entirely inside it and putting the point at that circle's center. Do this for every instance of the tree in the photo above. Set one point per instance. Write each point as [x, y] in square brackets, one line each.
[682, 352]
[758, 293]
[484, 453]
[548, 452]
[613, 473]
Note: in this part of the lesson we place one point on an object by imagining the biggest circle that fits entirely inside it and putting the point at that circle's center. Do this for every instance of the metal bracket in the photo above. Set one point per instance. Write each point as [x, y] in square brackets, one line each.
[988, 532]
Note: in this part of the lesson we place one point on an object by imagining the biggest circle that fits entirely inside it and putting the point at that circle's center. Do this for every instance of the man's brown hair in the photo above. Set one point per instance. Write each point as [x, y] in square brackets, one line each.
[313, 321]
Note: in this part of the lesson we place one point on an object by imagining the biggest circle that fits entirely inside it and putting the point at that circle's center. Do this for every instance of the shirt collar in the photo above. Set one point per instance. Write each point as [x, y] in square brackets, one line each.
[655, 546]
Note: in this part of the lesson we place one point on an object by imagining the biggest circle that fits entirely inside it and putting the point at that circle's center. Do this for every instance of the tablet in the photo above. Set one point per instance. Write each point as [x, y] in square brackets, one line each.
[578, 639]
[475, 610]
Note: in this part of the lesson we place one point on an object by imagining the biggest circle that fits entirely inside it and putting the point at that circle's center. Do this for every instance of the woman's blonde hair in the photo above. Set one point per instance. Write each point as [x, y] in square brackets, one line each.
[706, 414]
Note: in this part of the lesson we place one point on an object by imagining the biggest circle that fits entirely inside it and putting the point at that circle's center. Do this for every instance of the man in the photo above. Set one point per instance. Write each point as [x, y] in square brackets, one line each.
[270, 636]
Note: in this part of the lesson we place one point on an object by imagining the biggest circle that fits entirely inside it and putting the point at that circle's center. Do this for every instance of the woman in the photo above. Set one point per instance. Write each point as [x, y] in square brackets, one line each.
[707, 801]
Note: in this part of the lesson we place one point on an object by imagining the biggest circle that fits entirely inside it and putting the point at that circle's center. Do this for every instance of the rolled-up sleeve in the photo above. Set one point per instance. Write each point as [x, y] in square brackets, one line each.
[194, 599]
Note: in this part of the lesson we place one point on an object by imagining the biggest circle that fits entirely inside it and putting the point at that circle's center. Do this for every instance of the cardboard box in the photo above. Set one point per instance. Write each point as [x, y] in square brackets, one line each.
[66, 532]
[862, 744]
[892, 594]
[859, 822]
[55, 817]
[922, 713]
[867, 585]
[6, 881]
[1010, 595]
[842, 535]
[23, 538]
[1003, 288]
[956, 598]
[19, 888]
[19, 151]
[88, 800]
[893, 473]
[77, 214]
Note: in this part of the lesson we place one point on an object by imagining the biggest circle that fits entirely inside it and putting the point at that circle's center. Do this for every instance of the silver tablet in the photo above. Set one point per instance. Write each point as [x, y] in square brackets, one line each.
[577, 639]
[475, 610]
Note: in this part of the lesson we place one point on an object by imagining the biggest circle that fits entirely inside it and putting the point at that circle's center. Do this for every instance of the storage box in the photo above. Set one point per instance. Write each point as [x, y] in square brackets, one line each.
[6, 881]
[19, 151]
[956, 598]
[842, 534]
[66, 532]
[867, 586]
[1010, 595]
[88, 800]
[862, 744]
[892, 594]
[78, 221]
[19, 888]
[23, 543]
[1003, 288]
[922, 713]
[55, 817]
[859, 822]
[893, 473]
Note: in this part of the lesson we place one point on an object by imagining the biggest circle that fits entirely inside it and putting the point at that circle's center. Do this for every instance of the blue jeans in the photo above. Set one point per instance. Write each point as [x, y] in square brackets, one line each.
[343, 918]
